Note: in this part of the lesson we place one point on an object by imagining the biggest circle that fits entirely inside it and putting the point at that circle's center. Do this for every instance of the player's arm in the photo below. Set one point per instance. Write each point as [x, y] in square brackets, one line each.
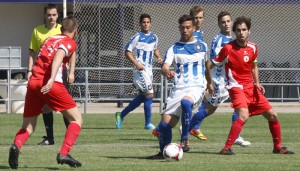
[165, 70]
[157, 54]
[56, 63]
[255, 75]
[128, 54]
[31, 59]
[71, 76]
[208, 66]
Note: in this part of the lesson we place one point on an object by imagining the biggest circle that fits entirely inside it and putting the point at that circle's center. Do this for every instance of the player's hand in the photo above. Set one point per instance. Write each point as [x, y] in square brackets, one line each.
[140, 67]
[160, 61]
[170, 75]
[45, 89]
[29, 74]
[210, 89]
[71, 78]
[260, 88]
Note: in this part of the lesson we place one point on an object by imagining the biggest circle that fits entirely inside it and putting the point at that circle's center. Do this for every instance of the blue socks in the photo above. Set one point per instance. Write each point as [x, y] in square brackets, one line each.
[132, 105]
[235, 116]
[186, 116]
[165, 135]
[148, 110]
[198, 117]
[199, 123]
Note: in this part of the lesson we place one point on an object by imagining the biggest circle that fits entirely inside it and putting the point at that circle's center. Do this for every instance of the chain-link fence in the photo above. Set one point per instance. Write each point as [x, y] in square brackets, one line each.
[107, 25]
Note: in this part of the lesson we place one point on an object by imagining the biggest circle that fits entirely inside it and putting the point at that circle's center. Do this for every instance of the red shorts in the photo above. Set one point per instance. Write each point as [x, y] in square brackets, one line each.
[58, 98]
[250, 98]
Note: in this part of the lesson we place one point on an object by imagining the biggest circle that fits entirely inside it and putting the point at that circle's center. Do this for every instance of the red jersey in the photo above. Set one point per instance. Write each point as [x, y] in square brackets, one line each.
[238, 63]
[42, 66]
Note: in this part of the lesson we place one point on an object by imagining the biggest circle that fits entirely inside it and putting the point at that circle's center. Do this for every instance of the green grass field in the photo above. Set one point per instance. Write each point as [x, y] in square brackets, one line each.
[102, 147]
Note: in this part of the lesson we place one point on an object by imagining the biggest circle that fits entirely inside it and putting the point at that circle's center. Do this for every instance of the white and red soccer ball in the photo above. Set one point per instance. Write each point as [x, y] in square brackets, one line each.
[173, 152]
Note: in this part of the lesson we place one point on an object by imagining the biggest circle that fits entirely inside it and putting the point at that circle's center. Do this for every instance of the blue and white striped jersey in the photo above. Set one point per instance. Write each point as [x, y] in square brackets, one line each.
[189, 59]
[218, 43]
[218, 72]
[198, 34]
[145, 44]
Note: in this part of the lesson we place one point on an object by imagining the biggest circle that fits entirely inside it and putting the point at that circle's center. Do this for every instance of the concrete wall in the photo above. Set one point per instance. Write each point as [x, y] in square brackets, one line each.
[17, 23]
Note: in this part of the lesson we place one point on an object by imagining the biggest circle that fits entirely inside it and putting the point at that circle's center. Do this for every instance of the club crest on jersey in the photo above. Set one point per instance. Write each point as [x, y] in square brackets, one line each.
[246, 58]
[153, 38]
[198, 47]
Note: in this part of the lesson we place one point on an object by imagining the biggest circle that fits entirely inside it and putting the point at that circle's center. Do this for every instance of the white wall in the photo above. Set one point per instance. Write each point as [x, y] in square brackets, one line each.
[17, 22]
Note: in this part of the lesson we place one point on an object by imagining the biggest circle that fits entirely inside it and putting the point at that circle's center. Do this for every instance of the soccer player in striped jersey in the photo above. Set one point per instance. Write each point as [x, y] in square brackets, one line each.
[145, 42]
[246, 93]
[189, 84]
[211, 103]
[197, 12]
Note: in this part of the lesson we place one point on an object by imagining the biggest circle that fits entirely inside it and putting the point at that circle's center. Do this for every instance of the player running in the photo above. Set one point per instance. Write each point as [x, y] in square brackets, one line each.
[46, 87]
[145, 43]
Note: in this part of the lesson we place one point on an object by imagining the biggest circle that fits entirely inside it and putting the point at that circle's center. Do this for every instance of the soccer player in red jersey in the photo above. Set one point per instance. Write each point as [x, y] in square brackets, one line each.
[46, 87]
[246, 93]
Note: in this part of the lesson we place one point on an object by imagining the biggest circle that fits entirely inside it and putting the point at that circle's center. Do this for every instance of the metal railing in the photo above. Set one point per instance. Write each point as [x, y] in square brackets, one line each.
[163, 93]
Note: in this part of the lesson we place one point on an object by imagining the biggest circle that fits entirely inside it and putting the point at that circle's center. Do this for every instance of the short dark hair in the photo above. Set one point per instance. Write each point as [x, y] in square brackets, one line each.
[185, 18]
[195, 10]
[69, 24]
[222, 14]
[241, 20]
[142, 16]
[50, 6]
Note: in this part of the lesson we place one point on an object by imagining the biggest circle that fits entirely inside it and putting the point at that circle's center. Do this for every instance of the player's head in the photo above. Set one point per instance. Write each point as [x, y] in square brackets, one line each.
[186, 28]
[145, 23]
[225, 22]
[241, 28]
[50, 14]
[197, 12]
[69, 26]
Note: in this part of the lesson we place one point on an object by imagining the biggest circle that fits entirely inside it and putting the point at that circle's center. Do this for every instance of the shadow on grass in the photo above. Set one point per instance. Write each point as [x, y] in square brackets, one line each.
[203, 152]
[97, 128]
[136, 139]
[25, 167]
[133, 157]
[4, 167]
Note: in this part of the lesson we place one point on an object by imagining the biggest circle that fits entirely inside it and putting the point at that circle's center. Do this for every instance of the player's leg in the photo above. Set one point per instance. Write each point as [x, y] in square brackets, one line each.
[168, 121]
[21, 137]
[239, 103]
[275, 130]
[139, 84]
[148, 111]
[187, 107]
[204, 111]
[48, 122]
[235, 131]
[136, 102]
[240, 140]
[75, 119]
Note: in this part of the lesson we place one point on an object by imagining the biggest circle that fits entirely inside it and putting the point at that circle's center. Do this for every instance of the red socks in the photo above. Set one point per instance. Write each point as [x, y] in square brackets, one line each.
[235, 131]
[274, 127]
[70, 138]
[21, 137]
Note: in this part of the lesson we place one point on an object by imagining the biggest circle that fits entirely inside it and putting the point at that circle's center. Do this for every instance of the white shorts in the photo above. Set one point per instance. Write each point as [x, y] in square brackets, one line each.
[142, 82]
[173, 104]
[220, 92]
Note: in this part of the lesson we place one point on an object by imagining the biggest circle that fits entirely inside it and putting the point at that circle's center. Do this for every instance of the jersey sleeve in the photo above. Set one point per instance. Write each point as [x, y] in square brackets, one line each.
[216, 47]
[33, 42]
[130, 46]
[156, 43]
[221, 58]
[169, 57]
[69, 46]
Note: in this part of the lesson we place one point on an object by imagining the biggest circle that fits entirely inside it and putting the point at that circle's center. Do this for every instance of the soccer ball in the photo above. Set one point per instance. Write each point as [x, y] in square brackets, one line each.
[173, 152]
